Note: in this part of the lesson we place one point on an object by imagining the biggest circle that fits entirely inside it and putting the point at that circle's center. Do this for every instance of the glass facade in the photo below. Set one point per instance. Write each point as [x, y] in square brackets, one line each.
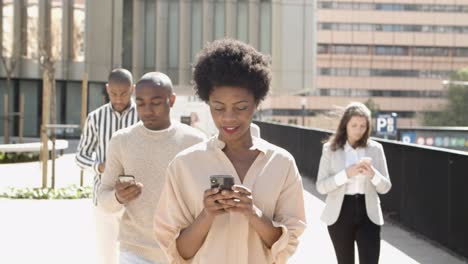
[30, 90]
[242, 20]
[393, 7]
[365, 72]
[347, 92]
[67, 91]
[78, 43]
[56, 29]
[197, 28]
[150, 34]
[392, 28]
[392, 50]
[173, 41]
[96, 95]
[72, 105]
[219, 19]
[32, 14]
[127, 35]
[7, 28]
[265, 26]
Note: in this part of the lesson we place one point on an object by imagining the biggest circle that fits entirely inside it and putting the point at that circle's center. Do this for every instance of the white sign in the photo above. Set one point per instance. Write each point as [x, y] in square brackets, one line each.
[386, 125]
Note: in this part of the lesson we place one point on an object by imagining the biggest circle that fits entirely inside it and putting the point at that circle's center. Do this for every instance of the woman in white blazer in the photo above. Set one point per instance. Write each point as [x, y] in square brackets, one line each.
[353, 171]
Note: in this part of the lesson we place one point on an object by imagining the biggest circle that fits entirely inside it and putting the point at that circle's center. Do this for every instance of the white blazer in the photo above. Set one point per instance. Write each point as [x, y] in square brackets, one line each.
[332, 163]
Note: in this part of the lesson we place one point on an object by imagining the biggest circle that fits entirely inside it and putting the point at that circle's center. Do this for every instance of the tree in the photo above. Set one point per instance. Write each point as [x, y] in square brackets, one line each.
[455, 111]
[373, 106]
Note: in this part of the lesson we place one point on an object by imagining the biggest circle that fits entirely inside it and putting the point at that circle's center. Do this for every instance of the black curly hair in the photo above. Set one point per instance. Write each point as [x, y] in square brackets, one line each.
[229, 62]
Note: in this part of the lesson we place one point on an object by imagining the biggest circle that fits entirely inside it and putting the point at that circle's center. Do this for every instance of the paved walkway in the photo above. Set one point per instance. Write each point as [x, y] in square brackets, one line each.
[62, 231]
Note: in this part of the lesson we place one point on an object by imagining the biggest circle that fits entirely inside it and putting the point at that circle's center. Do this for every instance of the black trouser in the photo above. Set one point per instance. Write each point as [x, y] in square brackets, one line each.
[353, 224]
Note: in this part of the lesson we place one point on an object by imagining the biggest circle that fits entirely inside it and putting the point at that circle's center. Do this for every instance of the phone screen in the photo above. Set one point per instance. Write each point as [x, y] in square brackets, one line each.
[126, 178]
[224, 182]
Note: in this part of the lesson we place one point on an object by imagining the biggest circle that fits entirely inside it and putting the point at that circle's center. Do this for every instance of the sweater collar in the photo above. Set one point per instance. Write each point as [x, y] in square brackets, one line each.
[157, 133]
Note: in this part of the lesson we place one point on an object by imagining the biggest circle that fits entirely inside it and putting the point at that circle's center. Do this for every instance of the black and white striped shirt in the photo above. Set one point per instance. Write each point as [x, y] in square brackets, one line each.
[100, 125]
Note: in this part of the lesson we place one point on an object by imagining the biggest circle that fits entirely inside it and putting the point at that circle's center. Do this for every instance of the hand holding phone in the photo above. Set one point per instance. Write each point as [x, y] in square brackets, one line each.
[126, 189]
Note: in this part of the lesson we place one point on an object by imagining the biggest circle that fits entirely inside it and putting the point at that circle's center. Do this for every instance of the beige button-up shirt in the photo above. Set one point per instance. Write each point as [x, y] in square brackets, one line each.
[276, 190]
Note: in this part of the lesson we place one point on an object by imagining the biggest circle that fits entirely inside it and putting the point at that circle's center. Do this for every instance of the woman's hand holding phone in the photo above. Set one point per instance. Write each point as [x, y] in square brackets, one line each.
[211, 201]
[240, 200]
[353, 170]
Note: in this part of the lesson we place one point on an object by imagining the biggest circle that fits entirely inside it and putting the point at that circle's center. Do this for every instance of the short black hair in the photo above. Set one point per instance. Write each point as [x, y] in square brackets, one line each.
[156, 79]
[120, 75]
[229, 62]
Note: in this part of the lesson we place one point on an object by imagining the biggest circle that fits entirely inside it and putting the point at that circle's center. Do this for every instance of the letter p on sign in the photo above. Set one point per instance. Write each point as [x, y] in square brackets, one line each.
[381, 124]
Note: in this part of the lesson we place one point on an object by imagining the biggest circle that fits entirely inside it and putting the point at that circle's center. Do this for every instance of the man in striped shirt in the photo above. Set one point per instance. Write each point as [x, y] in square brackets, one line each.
[100, 125]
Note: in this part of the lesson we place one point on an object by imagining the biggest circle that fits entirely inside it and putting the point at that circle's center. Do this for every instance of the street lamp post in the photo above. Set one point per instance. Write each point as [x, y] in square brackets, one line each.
[303, 108]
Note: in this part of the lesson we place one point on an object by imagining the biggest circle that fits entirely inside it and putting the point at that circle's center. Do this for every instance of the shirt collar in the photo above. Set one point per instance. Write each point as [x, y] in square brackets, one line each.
[257, 144]
[347, 147]
[132, 105]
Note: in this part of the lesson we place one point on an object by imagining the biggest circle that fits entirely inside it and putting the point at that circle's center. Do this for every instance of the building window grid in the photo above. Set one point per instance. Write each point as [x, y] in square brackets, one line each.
[345, 92]
[365, 72]
[392, 27]
[392, 50]
[393, 7]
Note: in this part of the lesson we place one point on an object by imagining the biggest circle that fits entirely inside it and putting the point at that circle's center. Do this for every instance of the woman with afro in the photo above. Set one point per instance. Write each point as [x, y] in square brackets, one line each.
[259, 219]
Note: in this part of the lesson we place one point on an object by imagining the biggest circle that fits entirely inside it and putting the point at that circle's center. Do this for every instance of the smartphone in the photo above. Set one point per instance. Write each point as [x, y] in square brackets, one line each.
[367, 160]
[224, 182]
[126, 178]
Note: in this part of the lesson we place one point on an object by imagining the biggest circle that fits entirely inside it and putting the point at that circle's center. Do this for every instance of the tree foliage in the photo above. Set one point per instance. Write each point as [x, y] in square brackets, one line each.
[455, 113]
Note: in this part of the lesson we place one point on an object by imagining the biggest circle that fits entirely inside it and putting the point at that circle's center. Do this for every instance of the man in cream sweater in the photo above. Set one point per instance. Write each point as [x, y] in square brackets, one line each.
[143, 151]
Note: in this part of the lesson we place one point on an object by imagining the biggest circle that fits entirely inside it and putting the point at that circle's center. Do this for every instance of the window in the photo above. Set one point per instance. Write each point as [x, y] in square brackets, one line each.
[196, 28]
[325, 26]
[219, 16]
[242, 20]
[32, 13]
[325, 5]
[350, 5]
[173, 40]
[7, 31]
[461, 52]
[344, 27]
[78, 42]
[127, 35]
[365, 27]
[56, 31]
[265, 26]
[30, 89]
[150, 34]
[322, 49]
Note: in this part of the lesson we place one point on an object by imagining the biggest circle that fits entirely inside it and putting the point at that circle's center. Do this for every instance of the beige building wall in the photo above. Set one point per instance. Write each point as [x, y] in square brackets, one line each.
[411, 105]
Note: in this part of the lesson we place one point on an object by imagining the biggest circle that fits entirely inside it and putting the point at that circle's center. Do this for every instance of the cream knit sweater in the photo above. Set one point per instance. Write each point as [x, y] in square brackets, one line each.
[144, 154]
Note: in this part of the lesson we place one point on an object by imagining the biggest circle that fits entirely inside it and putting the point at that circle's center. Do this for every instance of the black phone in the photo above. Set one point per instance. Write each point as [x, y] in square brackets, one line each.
[223, 182]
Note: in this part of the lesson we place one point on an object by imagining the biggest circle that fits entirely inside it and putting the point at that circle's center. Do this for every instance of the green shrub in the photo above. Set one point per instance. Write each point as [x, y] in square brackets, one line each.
[70, 192]
[14, 157]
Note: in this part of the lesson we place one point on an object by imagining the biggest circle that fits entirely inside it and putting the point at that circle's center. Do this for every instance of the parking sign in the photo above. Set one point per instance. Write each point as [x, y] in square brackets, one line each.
[386, 125]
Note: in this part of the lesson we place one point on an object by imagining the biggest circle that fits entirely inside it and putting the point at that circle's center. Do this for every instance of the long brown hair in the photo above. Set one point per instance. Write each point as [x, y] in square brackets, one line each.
[338, 140]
